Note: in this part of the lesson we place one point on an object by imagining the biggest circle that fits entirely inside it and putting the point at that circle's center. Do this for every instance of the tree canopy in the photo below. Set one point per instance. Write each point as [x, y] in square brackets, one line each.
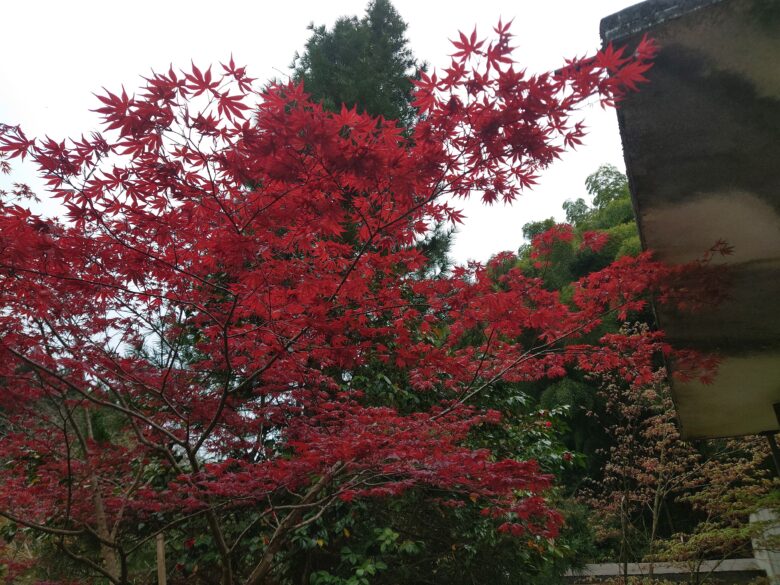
[224, 292]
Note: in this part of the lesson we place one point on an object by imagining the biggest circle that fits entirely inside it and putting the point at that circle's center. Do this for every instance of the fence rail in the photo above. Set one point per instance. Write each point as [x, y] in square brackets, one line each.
[680, 568]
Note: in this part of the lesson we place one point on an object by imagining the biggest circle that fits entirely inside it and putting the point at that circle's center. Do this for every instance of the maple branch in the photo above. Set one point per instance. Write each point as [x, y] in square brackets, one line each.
[90, 563]
[111, 286]
[69, 478]
[231, 240]
[122, 242]
[226, 387]
[213, 522]
[249, 527]
[529, 354]
[40, 527]
[125, 500]
[263, 567]
[174, 523]
[435, 192]
[119, 370]
[91, 398]
[222, 207]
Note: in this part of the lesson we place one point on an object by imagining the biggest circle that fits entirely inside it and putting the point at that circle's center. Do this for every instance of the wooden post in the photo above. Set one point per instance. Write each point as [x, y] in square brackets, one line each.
[161, 576]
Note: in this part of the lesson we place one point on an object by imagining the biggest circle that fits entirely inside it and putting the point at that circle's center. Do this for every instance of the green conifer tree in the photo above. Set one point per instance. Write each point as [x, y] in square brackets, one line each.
[364, 62]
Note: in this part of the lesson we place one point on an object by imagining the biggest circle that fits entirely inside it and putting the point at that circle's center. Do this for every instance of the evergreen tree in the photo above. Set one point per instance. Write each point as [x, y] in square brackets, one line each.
[364, 63]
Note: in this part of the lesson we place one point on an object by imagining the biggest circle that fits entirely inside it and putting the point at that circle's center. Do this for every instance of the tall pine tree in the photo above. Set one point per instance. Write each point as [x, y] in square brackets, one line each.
[362, 62]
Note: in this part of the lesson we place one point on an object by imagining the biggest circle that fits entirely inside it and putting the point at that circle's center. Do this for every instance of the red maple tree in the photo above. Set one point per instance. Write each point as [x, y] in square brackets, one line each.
[232, 258]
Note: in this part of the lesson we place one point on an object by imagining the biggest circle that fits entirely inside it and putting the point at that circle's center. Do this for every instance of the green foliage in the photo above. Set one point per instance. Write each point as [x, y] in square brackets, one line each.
[607, 184]
[436, 247]
[649, 494]
[736, 483]
[362, 62]
[576, 211]
[534, 228]
[611, 213]
[410, 540]
[611, 202]
[357, 566]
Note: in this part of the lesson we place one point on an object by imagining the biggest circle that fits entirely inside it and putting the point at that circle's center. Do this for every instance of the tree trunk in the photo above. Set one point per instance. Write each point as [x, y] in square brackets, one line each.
[658, 501]
[107, 553]
[265, 565]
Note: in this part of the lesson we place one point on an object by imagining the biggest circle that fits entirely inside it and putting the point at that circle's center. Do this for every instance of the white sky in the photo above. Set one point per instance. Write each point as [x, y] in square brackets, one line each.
[57, 53]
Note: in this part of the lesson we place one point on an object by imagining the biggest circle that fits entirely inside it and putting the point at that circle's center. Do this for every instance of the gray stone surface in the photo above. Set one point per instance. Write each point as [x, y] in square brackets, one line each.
[766, 557]
[702, 149]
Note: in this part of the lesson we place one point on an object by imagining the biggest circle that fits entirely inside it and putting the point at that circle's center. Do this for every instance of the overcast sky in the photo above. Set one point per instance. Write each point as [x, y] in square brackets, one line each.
[55, 54]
